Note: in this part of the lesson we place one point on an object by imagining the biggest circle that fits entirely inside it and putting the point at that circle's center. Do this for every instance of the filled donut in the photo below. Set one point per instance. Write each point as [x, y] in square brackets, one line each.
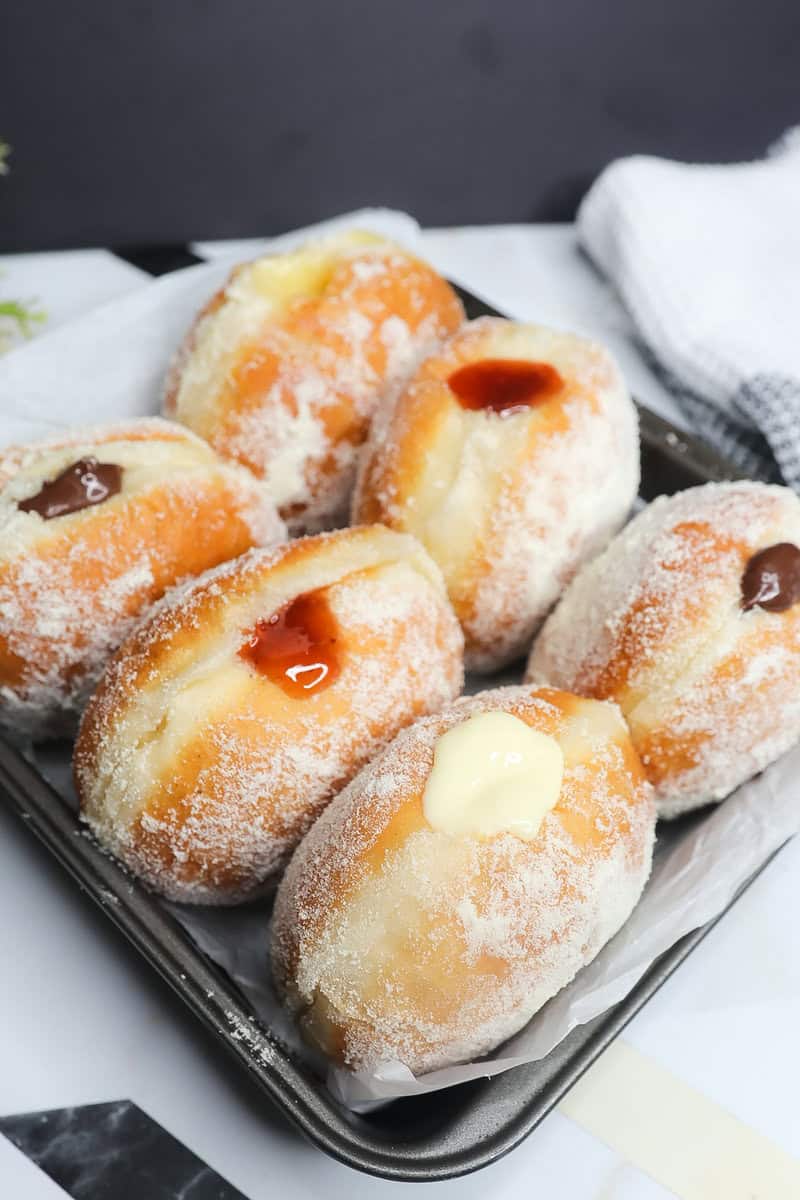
[690, 620]
[229, 720]
[462, 879]
[513, 456]
[284, 367]
[95, 525]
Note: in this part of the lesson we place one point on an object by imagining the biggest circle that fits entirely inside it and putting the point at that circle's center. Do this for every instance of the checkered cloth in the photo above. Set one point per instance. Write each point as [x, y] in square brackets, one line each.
[707, 261]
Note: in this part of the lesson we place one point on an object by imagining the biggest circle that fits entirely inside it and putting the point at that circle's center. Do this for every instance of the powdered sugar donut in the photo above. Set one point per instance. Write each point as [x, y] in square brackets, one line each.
[408, 929]
[227, 722]
[513, 455]
[284, 367]
[95, 524]
[691, 621]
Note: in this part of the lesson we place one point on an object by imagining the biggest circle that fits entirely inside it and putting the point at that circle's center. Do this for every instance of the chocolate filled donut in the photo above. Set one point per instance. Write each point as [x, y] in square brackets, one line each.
[94, 526]
[690, 620]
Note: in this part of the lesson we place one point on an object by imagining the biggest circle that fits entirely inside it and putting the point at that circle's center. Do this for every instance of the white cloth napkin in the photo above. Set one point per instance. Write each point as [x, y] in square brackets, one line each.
[707, 261]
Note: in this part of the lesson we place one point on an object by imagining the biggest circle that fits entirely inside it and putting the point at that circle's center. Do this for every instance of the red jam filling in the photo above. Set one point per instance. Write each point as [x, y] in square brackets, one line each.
[504, 385]
[297, 647]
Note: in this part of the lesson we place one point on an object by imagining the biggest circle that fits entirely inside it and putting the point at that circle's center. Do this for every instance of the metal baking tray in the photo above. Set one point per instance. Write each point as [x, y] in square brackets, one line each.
[431, 1137]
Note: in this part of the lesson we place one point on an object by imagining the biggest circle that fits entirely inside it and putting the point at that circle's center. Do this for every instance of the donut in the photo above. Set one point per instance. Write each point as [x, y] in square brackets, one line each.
[462, 879]
[95, 525]
[228, 721]
[513, 456]
[285, 365]
[690, 621]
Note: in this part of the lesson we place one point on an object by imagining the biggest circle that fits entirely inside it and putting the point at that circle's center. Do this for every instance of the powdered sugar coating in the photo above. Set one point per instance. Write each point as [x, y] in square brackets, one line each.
[710, 691]
[288, 386]
[395, 942]
[71, 588]
[508, 505]
[201, 774]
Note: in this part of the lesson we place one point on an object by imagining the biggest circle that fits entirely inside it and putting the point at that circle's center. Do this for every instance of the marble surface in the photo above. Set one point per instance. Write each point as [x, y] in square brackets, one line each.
[113, 1151]
[85, 1021]
[20, 1176]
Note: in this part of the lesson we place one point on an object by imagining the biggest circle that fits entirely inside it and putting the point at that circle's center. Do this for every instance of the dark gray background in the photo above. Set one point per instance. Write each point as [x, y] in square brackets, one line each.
[147, 122]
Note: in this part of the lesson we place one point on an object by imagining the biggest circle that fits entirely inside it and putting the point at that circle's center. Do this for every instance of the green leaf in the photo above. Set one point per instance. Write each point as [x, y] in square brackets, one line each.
[17, 321]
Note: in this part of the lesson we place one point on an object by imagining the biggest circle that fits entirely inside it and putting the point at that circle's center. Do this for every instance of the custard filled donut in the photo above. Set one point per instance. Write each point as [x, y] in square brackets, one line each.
[462, 879]
[284, 367]
[513, 456]
[229, 720]
[690, 620]
[95, 524]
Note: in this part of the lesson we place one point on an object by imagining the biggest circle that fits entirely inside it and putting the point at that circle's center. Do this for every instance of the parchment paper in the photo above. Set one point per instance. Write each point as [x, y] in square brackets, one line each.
[111, 362]
[110, 365]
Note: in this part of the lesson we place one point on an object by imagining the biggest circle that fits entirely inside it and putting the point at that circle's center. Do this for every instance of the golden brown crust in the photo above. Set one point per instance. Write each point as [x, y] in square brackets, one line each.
[310, 370]
[71, 588]
[657, 624]
[394, 941]
[507, 505]
[142, 429]
[222, 798]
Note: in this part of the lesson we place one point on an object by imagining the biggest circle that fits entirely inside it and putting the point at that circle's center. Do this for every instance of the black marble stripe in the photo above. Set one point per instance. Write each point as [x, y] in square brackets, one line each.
[157, 260]
[114, 1151]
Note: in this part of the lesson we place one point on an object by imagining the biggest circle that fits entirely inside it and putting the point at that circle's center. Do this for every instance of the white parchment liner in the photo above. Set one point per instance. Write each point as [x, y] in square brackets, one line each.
[691, 884]
[110, 365]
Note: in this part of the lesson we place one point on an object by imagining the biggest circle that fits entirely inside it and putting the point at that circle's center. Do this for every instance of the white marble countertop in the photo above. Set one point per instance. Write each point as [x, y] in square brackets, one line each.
[697, 1100]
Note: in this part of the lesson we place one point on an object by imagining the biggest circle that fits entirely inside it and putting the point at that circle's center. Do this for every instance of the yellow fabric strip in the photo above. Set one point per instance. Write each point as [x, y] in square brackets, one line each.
[676, 1135]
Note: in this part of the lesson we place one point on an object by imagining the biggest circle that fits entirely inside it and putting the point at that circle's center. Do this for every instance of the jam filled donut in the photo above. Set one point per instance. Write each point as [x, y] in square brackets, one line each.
[690, 620]
[462, 879]
[226, 723]
[95, 525]
[284, 367]
[513, 456]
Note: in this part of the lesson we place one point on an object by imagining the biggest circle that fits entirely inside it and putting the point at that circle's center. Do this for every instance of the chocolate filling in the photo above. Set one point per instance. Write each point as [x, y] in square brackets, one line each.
[83, 484]
[771, 579]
